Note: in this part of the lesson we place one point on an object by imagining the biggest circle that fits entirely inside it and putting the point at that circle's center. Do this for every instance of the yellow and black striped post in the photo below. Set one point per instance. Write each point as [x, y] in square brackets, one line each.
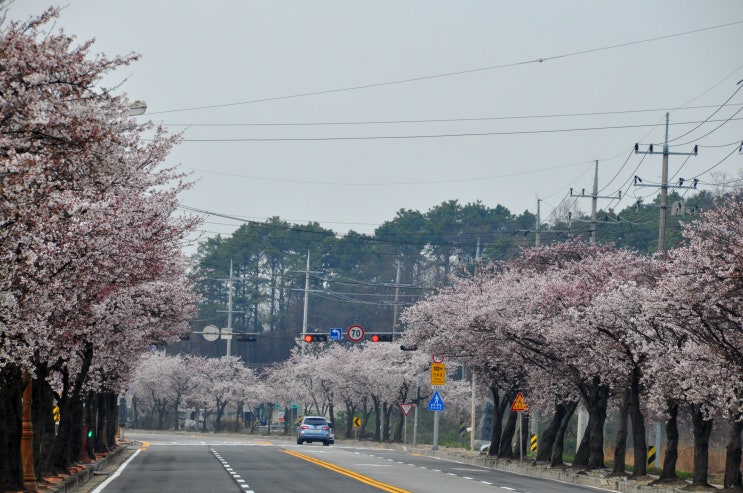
[462, 428]
[651, 454]
[534, 442]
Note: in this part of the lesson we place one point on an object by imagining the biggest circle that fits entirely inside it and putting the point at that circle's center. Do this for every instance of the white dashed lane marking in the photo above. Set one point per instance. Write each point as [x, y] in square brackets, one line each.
[235, 476]
[439, 470]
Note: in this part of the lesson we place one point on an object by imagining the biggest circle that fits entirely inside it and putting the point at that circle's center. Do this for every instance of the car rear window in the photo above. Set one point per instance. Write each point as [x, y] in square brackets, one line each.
[315, 421]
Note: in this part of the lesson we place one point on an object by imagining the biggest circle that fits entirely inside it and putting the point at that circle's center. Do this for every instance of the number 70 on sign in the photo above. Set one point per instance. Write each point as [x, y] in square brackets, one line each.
[355, 333]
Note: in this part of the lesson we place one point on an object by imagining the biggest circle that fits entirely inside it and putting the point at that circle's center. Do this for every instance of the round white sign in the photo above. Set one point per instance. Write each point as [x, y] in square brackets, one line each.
[437, 358]
[355, 333]
[211, 333]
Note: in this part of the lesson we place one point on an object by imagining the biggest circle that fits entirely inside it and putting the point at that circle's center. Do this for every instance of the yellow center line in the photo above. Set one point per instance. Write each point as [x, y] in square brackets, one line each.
[347, 472]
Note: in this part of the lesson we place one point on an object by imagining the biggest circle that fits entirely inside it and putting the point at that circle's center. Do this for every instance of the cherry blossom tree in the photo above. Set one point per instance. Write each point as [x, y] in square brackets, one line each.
[92, 271]
[703, 297]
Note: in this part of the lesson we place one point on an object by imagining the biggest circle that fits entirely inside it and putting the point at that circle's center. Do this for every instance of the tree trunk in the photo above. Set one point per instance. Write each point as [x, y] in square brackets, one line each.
[11, 410]
[399, 428]
[506, 449]
[100, 423]
[547, 440]
[521, 445]
[387, 410]
[112, 418]
[702, 431]
[350, 410]
[732, 481]
[68, 446]
[591, 450]
[557, 450]
[581, 455]
[672, 442]
[620, 445]
[377, 414]
[596, 420]
[43, 424]
[497, 423]
[639, 442]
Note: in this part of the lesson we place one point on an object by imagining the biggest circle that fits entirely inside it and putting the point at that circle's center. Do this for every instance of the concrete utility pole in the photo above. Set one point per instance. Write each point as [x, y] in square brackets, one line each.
[664, 185]
[662, 226]
[582, 412]
[594, 199]
[226, 333]
[538, 226]
[473, 404]
[397, 299]
[306, 300]
[229, 313]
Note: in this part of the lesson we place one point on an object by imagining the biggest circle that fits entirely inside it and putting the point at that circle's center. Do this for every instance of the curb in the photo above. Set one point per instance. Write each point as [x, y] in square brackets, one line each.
[75, 481]
[620, 484]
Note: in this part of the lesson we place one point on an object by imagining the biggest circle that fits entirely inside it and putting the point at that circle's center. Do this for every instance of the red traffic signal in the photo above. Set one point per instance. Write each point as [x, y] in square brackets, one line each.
[381, 338]
[315, 338]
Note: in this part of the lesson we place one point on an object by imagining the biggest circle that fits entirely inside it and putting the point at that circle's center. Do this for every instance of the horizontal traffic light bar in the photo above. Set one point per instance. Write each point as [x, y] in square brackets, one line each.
[369, 336]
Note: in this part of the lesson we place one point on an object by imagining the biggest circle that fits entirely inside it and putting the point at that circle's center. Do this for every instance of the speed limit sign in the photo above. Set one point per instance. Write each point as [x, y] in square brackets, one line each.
[355, 333]
[437, 358]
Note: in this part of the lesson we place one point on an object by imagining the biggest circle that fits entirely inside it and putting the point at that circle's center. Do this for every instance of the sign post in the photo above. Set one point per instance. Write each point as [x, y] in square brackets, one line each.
[406, 408]
[436, 404]
[520, 405]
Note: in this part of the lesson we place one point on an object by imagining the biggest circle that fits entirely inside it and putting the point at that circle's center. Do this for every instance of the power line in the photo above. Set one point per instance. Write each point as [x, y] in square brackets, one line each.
[435, 120]
[450, 74]
[442, 135]
[405, 183]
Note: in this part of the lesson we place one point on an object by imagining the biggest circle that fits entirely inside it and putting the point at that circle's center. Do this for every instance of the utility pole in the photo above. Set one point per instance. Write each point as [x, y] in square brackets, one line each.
[473, 396]
[226, 333]
[306, 300]
[662, 225]
[397, 297]
[594, 199]
[229, 313]
[664, 185]
[538, 226]
[582, 412]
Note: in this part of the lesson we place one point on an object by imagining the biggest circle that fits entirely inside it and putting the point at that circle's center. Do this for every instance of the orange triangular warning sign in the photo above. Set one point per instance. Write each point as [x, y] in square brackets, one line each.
[519, 404]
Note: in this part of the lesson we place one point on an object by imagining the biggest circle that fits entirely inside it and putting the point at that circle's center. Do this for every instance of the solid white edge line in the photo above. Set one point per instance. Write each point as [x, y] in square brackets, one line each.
[117, 473]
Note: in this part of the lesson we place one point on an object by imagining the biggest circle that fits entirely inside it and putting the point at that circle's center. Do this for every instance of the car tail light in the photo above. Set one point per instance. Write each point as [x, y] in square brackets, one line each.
[325, 428]
[305, 427]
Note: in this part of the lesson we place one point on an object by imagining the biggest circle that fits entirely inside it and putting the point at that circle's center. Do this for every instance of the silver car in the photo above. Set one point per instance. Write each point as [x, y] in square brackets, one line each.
[314, 429]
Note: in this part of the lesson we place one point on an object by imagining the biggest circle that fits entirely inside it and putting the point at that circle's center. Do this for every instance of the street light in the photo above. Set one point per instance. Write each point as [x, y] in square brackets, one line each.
[137, 108]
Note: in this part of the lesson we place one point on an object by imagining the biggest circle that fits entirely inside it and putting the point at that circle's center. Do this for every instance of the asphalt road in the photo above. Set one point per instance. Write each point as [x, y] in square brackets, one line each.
[180, 463]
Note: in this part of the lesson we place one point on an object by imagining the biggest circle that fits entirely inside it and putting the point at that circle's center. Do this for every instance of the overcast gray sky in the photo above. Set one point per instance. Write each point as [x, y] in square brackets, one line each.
[343, 112]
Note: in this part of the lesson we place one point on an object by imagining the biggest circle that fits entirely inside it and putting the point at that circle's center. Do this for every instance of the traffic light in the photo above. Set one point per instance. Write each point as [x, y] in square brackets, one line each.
[91, 432]
[184, 336]
[408, 348]
[246, 338]
[316, 338]
[381, 338]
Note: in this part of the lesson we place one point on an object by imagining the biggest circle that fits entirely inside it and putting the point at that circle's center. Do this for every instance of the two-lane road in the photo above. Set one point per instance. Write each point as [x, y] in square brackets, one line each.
[206, 463]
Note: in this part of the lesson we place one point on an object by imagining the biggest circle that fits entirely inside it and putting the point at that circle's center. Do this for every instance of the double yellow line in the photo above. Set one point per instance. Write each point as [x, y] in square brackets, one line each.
[346, 472]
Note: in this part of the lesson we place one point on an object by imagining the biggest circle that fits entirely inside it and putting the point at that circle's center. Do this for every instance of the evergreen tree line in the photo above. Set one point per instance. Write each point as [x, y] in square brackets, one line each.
[353, 279]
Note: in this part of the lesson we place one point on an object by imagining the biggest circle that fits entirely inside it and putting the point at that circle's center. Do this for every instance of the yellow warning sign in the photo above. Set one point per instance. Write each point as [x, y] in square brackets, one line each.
[356, 422]
[438, 374]
[519, 404]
